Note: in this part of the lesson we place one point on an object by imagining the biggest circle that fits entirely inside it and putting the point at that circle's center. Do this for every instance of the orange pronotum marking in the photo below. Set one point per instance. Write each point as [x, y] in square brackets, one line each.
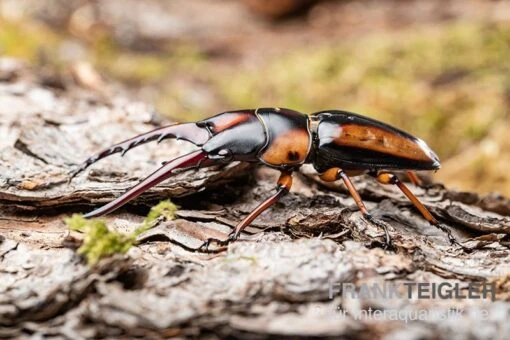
[289, 148]
[372, 138]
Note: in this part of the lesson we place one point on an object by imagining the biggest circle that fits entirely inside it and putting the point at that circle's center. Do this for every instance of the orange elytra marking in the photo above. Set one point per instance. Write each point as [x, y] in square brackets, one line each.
[289, 148]
[376, 139]
[227, 121]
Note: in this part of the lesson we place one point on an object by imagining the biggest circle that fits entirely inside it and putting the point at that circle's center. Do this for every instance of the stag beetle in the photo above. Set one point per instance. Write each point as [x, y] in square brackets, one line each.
[339, 144]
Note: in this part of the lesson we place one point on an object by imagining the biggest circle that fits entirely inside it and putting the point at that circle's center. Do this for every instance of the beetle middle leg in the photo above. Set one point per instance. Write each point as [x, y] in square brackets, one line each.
[283, 187]
[387, 178]
[335, 174]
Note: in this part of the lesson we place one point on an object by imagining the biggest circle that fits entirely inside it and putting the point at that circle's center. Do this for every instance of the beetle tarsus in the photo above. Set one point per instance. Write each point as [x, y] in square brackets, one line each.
[335, 174]
[453, 241]
[204, 247]
[283, 187]
[388, 244]
[387, 178]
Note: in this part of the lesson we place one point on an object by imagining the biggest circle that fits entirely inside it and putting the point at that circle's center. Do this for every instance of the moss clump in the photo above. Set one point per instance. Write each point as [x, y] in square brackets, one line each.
[142, 68]
[134, 68]
[164, 209]
[101, 242]
[27, 41]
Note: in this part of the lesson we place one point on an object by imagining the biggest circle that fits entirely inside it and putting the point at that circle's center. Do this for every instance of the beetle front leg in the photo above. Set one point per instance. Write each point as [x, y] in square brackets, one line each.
[387, 178]
[283, 187]
[335, 174]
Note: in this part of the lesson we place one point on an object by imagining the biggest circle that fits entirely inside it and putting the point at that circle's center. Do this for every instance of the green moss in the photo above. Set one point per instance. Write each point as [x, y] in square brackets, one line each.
[164, 209]
[142, 68]
[101, 242]
[27, 41]
[30, 40]
[134, 68]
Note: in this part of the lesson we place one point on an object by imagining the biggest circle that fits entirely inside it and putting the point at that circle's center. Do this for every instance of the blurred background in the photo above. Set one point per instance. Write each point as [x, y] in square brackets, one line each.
[437, 68]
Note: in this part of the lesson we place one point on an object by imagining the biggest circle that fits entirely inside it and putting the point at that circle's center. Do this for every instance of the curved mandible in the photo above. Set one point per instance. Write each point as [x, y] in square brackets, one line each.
[190, 132]
[191, 160]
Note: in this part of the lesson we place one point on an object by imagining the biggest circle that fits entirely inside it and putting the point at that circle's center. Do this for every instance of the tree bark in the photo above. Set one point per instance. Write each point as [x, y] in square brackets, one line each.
[275, 281]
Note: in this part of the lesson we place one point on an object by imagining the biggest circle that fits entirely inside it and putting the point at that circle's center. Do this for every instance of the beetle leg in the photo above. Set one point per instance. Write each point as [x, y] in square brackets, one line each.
[387, 178]
[334, 174]
[283, 187]
[413, 177]
[189, 132]
[191, 160]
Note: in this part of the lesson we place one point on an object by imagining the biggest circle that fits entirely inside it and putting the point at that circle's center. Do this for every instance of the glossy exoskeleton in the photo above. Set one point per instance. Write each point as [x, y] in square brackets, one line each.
[339, 144]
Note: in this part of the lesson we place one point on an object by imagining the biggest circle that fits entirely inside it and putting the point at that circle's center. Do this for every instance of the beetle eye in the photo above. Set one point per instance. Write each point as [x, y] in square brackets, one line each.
[225, 155]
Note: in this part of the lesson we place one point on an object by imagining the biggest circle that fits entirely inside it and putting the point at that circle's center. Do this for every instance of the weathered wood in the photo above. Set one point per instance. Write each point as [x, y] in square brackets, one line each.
[274, 281]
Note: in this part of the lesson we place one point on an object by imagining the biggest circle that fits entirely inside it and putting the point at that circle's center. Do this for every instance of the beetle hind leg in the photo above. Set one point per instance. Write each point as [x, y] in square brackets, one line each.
[335, 174]
[283, 187]
[413, 178]
[387, 178]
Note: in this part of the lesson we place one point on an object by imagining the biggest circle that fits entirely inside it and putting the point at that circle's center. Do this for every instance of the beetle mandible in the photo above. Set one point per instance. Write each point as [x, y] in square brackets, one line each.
[338, 144]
